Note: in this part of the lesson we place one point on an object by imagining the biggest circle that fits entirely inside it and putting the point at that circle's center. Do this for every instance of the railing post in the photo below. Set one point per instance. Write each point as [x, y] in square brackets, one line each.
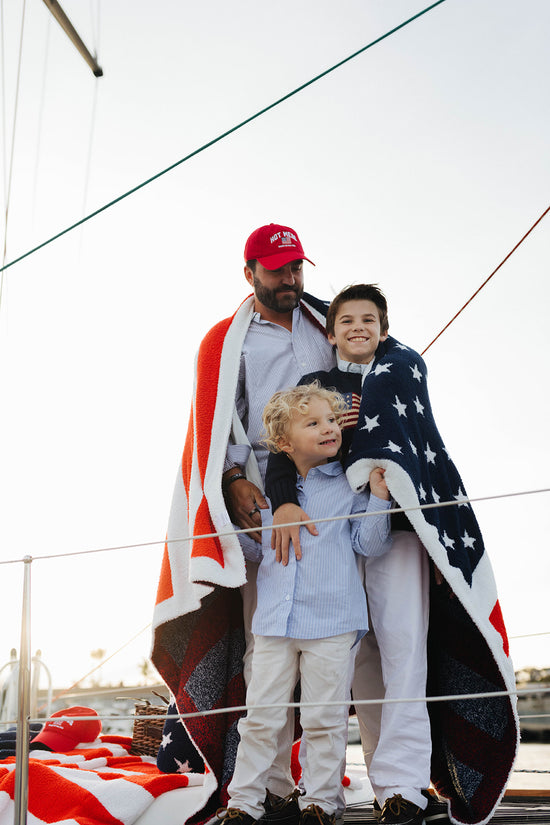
[23, 711]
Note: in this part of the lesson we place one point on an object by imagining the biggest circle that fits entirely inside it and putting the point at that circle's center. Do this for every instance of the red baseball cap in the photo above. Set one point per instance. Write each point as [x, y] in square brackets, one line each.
[62, 735]
[274, 246]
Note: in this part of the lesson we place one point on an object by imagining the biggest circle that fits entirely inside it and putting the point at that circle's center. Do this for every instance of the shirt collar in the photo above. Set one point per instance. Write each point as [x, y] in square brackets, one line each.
[331, 468]
[296, 317]
[349, 366]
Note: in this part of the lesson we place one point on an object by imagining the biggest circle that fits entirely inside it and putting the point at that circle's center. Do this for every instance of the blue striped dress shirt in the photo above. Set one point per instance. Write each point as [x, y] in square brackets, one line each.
[322, 594]
[272, 359]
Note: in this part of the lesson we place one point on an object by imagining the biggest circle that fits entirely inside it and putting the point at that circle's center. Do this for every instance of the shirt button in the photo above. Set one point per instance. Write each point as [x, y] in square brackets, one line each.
[287, 598]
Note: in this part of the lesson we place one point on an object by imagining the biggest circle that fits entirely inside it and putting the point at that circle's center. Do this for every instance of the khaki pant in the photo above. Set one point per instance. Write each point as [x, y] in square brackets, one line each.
[323, 666]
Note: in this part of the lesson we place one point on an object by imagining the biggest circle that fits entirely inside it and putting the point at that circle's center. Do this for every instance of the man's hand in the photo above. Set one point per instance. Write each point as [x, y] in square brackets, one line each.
[283, 536]
[244, 502]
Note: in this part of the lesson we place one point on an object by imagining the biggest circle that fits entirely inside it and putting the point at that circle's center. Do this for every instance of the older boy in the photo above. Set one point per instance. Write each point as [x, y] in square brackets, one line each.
[392, 660]
[309, 615]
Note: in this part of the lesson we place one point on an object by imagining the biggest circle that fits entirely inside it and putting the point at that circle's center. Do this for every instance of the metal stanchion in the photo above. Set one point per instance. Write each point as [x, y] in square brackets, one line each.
[23, 713]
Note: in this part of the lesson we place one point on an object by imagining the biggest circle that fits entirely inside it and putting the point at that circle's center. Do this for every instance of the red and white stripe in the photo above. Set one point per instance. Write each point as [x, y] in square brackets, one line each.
[101, 785]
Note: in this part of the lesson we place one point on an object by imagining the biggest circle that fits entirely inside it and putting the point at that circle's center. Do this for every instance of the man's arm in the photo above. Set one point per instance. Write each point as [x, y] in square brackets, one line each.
[243, 500]
[280, 485]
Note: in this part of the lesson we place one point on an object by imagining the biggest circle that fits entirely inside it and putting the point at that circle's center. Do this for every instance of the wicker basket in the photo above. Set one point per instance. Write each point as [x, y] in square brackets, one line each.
[147, 733]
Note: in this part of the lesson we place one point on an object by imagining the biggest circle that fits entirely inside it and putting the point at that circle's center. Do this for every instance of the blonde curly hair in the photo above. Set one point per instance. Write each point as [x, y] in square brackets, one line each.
[278, 411]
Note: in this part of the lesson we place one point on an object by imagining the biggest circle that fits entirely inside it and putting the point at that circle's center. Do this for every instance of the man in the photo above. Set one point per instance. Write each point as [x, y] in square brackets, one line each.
[280, 340]
[276, 335]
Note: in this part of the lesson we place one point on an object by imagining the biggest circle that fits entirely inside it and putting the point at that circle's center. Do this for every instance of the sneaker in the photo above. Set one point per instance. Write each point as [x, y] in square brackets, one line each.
[281, 810]
[314, 815]
[399, 811]
[234, 816]
[436, 810]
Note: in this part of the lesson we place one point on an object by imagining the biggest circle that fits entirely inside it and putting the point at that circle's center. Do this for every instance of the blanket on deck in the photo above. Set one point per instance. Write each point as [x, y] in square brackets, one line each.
[100, 784]
[474, 741]
[198, 641]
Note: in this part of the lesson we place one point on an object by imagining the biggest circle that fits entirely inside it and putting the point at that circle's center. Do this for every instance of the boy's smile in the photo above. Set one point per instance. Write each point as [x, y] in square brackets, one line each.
[313, 437]
[357, 331]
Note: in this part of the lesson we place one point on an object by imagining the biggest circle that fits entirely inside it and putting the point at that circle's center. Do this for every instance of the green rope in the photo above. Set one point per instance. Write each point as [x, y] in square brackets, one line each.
[222, 136]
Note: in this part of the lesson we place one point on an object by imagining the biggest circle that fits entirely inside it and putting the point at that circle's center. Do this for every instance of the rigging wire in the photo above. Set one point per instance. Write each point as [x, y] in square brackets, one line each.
[320, 703]
[95, 21]
[100, 665]
[486, 281]
[95, 34]
[3, 74]
[248, 530]
[90, 151]
[84, 219]
[149, 626]
[223, 135]
[236, 532]
[451, 697]
[10, 172]
[40, 121]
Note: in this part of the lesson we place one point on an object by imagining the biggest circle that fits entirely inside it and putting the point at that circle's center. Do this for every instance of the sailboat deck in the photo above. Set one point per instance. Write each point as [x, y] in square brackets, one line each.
[516, 808]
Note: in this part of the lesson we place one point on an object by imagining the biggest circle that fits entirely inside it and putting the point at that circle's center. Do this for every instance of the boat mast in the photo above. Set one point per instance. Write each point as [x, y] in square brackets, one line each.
[70, 30]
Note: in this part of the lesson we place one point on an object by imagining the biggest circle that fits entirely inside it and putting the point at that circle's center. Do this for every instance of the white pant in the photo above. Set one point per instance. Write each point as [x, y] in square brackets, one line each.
[392, 663]
[323, 667]
[281, 781]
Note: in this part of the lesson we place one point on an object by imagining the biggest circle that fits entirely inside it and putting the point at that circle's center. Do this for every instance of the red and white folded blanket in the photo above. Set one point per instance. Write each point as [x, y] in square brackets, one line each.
[199, 642]
[100, 784]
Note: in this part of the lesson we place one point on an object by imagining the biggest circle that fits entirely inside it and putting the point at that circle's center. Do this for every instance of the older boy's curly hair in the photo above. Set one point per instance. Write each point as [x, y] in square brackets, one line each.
[278, 411]
[359, 292]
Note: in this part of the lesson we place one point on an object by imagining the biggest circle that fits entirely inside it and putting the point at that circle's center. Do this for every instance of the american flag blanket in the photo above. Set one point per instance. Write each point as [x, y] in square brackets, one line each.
[474, 741]
[100, 784]
[198, 641]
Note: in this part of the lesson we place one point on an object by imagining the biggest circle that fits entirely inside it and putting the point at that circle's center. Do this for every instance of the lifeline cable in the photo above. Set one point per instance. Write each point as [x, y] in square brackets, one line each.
[222, 136]
[486, 281]
[433, 506]
[451, 697]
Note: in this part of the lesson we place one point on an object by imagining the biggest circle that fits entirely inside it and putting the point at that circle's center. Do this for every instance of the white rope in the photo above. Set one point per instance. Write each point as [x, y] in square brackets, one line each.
[251, 530]
[339, 703]
[237, 532]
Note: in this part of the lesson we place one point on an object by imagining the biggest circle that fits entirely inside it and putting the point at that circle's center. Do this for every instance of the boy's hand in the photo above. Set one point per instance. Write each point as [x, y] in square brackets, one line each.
[378, 484]
[244, 502]
[283, 536]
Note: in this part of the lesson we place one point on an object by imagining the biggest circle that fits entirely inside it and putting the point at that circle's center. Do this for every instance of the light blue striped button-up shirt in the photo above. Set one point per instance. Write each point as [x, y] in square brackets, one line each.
[322, 594]
[272, 359]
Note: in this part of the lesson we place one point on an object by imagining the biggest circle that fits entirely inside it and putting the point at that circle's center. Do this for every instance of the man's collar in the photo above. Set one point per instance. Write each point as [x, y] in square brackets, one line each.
[296, 316]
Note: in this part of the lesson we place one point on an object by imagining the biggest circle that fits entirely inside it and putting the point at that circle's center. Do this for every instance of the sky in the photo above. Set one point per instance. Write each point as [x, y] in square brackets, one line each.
[418, 165]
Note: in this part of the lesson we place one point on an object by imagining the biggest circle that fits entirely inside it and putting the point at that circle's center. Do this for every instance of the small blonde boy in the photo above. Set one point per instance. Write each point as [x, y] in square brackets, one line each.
[309, 614]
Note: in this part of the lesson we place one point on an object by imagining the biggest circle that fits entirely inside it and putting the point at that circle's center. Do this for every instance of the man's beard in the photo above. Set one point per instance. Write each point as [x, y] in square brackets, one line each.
[272, 298]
